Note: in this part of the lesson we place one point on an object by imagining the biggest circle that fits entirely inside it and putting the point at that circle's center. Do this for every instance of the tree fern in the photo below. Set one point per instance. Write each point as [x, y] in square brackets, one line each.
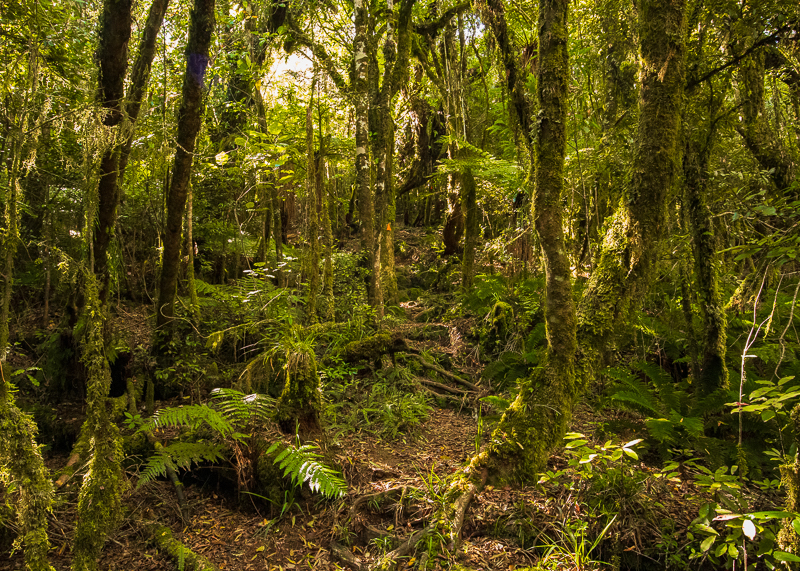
[302, 464]
[179, 455]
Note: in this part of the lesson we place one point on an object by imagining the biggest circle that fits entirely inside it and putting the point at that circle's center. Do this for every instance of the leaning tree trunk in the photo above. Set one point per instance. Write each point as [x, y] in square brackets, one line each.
[201, 28]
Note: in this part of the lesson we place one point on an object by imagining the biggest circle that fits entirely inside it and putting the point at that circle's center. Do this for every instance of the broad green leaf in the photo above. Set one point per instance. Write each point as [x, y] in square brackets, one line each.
[708, 542]
[783, 556]
[749, 529]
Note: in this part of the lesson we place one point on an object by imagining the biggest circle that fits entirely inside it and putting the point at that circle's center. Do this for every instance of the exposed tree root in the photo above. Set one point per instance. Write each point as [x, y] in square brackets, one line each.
[460, 507]
[447, 374]
[389, 561]
[442, 387]
[343, 554]
[162, 537]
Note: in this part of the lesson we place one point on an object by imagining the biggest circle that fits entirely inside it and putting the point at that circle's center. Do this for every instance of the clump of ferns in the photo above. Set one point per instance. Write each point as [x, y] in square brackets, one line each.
[232, 418]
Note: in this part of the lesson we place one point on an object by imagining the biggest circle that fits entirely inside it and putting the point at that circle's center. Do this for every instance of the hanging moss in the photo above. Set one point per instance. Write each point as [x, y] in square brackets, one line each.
[299, 404]
[21, 462]
[100, 498]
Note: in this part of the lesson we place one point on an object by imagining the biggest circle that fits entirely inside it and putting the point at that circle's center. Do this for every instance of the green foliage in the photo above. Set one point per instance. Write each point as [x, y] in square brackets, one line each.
[179, 455]
[668, 409]
[302, 464]
[390, 406]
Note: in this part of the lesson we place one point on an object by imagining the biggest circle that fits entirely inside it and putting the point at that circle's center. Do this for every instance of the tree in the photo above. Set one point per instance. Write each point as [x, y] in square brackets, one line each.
[201, 28]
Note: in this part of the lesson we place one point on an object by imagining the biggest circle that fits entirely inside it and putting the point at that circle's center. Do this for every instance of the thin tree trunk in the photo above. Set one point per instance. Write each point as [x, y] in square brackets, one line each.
[366, 202]
[201, 28]
[312, 215]
[190, 251]
[115, 159]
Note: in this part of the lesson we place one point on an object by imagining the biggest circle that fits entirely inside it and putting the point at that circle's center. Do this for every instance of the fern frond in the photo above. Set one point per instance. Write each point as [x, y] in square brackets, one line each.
[179, 455]
[241, 409]
[664, 383]
[190, 416]
[633, 392]
[302, 464]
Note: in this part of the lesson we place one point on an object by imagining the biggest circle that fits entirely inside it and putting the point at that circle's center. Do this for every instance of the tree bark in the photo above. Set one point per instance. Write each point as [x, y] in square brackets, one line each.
[201, 28]
[115, 159]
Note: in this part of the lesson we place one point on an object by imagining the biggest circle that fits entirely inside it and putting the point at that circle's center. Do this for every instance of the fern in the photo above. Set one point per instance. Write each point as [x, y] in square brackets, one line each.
[179, 455]
[633, 393]
[241, 409]
[190, 416]
[302, 465]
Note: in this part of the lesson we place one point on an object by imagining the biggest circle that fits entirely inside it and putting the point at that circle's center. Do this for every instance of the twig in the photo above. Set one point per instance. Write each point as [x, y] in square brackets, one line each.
[453, 390]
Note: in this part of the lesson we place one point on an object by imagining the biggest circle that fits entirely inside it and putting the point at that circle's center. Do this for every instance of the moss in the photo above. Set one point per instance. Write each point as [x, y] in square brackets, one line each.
[300, 403]
[21, 462]
[167, 544]
[790, 478]
[500, 326]
[100, 497]
[373, 348]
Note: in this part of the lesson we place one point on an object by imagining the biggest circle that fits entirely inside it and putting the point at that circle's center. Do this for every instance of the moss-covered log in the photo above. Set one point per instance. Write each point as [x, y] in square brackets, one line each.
[184, 557]
[21, 462]
[373, 348]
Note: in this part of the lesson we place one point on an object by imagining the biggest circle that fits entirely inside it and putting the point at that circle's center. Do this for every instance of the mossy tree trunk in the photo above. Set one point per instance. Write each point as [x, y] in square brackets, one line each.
[537, 419]
[22, 463]
[761, 141]
[712, 374]
[100, 497]
[201, 28]
[535, 423]
[299, 404]
[366, 208]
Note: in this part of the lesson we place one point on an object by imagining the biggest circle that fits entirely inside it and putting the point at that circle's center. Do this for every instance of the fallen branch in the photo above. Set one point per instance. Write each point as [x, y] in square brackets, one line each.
[440, 386]
[449, 398]
[448, 374]
[162, 537]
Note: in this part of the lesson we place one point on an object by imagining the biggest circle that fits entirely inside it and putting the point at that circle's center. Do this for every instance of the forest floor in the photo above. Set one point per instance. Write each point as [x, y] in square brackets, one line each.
[395, 487]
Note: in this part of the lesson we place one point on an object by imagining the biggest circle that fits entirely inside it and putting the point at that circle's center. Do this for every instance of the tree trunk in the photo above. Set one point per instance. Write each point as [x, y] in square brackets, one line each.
[366, 209]
[201, 28]
[713, 375]
[535, 423]
[312, 215]
[115, 159]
